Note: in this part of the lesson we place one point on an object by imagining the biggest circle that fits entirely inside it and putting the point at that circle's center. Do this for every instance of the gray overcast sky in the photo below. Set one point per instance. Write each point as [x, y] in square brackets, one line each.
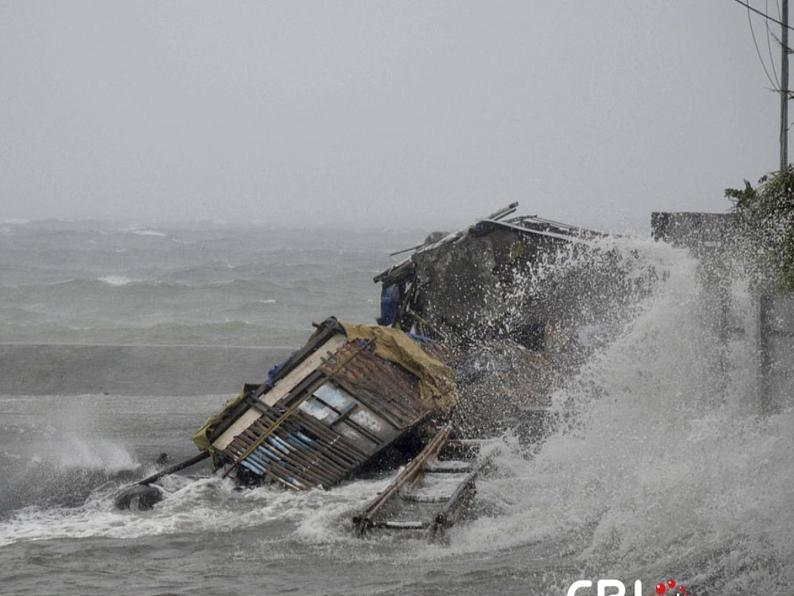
[379, 112]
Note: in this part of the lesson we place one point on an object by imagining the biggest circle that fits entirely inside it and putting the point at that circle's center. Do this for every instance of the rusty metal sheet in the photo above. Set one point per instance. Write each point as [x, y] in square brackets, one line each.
[353, 405]
[382, 386]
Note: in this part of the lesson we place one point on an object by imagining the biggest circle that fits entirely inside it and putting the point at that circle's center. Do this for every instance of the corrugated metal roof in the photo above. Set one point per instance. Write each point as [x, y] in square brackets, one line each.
[380, 385]
[524, 224]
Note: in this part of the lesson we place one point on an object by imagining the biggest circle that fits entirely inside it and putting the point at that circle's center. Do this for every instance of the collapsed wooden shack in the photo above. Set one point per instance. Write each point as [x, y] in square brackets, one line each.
[494, 294]
[331, 408]
[477, 283]
[462, 335]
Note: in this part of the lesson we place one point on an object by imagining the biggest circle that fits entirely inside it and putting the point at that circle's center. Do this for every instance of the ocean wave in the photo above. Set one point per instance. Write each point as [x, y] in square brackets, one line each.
[138, 232]
[117, 280]
[165, 283]
[197, 505]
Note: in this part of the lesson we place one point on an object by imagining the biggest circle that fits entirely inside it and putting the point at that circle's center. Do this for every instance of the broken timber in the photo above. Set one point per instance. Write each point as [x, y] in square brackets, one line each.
[464, 285]
[429, 493]
[330, 409]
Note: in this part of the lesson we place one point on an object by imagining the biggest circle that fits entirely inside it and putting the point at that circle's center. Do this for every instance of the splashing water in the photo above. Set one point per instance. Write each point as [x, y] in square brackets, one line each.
[660, 467]
[663, 469]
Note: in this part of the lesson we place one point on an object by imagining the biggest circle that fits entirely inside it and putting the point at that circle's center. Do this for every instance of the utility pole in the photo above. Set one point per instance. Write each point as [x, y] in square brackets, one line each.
[784, 52]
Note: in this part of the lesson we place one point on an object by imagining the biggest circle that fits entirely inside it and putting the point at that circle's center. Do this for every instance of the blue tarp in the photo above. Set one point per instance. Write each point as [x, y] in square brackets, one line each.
[273, 372]
[389, 304]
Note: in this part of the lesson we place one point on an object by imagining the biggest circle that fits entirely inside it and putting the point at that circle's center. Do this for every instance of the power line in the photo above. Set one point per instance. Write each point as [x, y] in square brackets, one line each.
[763, 14]
[769, 42]
[775, 86]
[781, 84]
[780, 43]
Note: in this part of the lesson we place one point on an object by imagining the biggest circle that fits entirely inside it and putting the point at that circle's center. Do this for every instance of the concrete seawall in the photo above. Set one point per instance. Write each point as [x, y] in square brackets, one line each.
[132, 370]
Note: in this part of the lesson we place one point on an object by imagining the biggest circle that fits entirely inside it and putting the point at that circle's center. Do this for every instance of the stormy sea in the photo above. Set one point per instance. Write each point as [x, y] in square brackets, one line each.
[118, 340]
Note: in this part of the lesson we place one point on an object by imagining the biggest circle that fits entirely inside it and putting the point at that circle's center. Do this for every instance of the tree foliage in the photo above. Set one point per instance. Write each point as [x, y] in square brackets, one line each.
[765, 219]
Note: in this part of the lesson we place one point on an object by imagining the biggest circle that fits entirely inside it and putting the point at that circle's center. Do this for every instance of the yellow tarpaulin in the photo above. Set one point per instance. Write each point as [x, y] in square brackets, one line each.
[200, 437]
[436, 380]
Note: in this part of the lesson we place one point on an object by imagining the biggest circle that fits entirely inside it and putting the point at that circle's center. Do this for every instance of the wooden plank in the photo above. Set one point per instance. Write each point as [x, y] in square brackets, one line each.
[239, 425]
[327, 447]
[281, 389]
[296, 375]
[306, 461]
[296, 397]
[366, 519]
[292, 462]
[466, 489]
[448, 466]
[419, 498]
[404, 525]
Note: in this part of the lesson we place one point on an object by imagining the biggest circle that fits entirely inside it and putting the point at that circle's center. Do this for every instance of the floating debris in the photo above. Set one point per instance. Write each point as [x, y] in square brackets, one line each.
[429, 494]
[468, 285]
[348, 394]
[361, 398]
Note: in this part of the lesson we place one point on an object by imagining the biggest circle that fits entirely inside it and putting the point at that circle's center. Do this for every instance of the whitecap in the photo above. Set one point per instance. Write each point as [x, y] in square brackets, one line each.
[148, 233]
[139, 232]
[116, 280]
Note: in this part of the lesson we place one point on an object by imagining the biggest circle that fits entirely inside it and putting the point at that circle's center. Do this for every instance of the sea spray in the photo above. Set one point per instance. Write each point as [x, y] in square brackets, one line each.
[655, 470]
[60, 454]
[663, 467]
[555, 314]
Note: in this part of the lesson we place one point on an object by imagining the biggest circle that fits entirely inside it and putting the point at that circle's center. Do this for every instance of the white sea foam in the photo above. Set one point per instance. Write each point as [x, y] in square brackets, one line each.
[116, 280]
[144, 232]
[149, 233]
[190, 506]
[665, 468]
[662, 469]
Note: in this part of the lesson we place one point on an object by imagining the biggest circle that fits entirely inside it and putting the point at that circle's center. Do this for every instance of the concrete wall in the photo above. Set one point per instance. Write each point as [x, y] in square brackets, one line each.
[776, 350]
[132, 370]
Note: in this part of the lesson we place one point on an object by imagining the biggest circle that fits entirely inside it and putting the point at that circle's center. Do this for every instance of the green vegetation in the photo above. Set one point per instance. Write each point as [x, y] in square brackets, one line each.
[765, 218]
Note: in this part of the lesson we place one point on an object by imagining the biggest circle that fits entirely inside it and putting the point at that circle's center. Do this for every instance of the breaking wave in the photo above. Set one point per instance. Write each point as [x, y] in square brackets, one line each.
[145, 232]
[662, 467]
[192, 506]
[60, 473]
[116, 280]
